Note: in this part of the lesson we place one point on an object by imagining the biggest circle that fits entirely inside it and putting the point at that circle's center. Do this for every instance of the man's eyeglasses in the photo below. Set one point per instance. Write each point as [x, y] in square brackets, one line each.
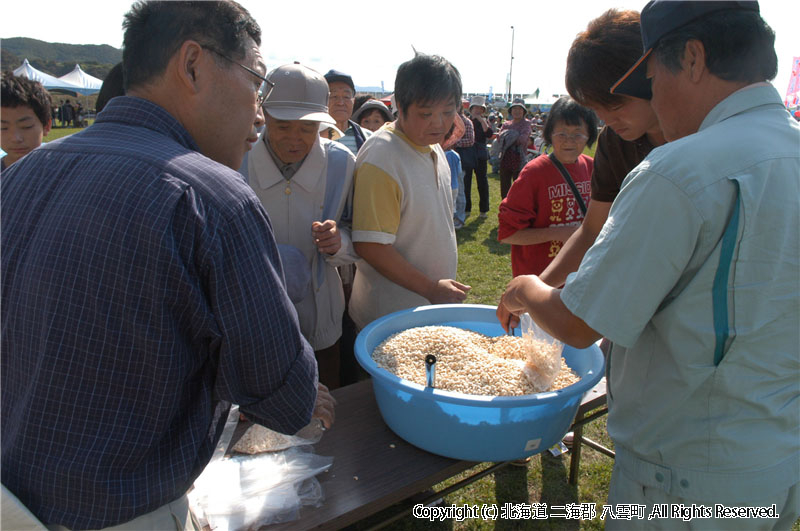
[263, 89]
[576, 137]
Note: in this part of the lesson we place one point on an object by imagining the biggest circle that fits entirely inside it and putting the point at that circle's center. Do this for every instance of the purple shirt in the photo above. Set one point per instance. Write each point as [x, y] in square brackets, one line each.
[523, 128]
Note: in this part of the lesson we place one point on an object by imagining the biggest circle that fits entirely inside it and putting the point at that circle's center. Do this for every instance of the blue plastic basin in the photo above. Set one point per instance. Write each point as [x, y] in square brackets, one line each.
[471, 427]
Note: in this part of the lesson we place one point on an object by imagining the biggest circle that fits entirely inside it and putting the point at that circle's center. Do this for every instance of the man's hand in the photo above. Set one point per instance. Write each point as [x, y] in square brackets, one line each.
[527, 293]
[448, 291]
[512, 303]
[326, 236]
[324, 407]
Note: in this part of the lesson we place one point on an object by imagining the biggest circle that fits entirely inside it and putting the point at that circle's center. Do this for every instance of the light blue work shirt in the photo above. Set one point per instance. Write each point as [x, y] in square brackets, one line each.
[698, 430]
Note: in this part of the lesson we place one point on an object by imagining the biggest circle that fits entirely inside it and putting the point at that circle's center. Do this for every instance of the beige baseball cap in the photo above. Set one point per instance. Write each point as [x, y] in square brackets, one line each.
[300, 93]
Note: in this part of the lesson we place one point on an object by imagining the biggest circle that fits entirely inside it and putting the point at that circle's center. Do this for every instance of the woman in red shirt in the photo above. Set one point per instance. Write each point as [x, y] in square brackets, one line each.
[541, 210]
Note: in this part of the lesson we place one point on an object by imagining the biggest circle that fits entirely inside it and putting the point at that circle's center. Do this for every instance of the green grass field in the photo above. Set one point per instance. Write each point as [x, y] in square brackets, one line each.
[59, 132]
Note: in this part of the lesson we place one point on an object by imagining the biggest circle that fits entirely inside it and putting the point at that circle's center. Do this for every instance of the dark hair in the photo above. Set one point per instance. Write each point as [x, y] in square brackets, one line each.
[18, 91]
[111, 88]
[360, 100]
[155, 30]
[426, 79]
[570, 112]
[739, 46]
[601, 55]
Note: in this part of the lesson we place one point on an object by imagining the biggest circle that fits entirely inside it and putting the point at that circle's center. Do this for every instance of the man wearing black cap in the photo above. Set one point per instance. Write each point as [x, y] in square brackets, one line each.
[342, 98]
[695, 278]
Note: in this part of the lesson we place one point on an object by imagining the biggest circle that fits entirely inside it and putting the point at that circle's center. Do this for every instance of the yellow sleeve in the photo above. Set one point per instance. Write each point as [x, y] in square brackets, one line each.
[376, 205]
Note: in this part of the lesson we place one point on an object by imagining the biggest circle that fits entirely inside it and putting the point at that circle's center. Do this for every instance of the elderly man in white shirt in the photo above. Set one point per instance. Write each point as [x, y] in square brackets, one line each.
[305, 183]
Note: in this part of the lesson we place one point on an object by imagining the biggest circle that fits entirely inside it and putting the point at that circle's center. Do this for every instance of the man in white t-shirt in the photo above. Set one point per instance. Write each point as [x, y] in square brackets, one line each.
[402, 206]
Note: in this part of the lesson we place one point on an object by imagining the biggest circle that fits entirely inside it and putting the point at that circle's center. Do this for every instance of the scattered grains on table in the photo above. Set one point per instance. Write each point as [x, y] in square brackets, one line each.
[472, 363]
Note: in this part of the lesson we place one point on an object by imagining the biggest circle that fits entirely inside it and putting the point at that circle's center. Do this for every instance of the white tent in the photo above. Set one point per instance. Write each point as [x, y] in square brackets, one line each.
[89, 84]
[543, 104]
[49, 82]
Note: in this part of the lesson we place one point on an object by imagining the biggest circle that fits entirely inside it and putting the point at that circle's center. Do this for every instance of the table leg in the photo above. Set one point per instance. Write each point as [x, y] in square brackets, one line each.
[577, 442]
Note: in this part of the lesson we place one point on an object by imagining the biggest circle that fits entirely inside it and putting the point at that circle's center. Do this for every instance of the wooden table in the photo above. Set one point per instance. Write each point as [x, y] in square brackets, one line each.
[373, 468]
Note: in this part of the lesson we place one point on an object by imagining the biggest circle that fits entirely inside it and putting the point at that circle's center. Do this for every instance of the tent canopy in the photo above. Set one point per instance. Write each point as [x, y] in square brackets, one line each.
[89, 84]
[49, 82]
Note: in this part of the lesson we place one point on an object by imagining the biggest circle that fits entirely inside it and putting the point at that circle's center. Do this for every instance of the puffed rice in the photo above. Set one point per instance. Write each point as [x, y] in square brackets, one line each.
[472, 363]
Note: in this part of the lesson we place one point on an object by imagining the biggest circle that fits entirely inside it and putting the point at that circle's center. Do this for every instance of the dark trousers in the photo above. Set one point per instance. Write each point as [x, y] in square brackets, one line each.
[483, 186]
[328, 365]
[507, 178]
[349, 370]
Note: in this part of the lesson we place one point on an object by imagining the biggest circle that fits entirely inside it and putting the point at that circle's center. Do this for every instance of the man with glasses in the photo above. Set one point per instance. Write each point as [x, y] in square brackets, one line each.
[263, 89]
[142, 292]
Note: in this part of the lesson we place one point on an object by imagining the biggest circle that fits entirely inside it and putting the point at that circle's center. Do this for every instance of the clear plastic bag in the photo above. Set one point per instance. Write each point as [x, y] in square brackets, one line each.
[245, 492]
[544, 354]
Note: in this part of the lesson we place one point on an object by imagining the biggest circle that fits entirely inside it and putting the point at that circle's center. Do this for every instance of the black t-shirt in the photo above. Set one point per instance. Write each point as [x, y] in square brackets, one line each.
[613, 161]
[481, 137]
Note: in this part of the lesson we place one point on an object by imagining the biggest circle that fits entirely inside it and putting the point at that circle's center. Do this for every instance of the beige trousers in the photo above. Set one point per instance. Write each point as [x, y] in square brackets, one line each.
[174, 516]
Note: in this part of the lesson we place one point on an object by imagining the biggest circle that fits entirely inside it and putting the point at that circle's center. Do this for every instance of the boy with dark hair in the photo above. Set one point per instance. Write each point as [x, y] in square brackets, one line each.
[25, 118]
[403, 206]
[597, 58]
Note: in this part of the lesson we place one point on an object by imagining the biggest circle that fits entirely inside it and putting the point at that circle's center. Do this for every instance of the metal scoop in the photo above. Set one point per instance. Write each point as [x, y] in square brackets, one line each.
[430, 370]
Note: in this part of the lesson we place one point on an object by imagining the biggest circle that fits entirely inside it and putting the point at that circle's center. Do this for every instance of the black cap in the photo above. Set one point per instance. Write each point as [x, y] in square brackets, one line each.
[334, 75]
[659, 18]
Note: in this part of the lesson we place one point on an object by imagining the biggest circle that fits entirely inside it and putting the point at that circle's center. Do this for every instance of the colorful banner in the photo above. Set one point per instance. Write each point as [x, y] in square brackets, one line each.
[792, 96]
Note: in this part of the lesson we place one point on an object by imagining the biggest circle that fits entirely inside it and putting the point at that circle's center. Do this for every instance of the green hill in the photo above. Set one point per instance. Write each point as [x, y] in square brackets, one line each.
[58, 58]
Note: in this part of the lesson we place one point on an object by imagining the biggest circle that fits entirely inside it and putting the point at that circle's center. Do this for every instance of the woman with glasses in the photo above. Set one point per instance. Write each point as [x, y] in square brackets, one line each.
[547, 202]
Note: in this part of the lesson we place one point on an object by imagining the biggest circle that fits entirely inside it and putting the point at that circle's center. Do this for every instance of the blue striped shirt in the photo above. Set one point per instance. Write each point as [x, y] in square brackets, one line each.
[142, 293]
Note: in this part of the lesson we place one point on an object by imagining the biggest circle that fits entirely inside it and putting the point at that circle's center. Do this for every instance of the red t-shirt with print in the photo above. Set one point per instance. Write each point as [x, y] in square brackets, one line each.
[539, 198]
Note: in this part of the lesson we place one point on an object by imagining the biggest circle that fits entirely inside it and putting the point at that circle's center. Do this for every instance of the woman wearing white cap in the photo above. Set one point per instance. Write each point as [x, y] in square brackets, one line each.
[513, 158]
[483, 132]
